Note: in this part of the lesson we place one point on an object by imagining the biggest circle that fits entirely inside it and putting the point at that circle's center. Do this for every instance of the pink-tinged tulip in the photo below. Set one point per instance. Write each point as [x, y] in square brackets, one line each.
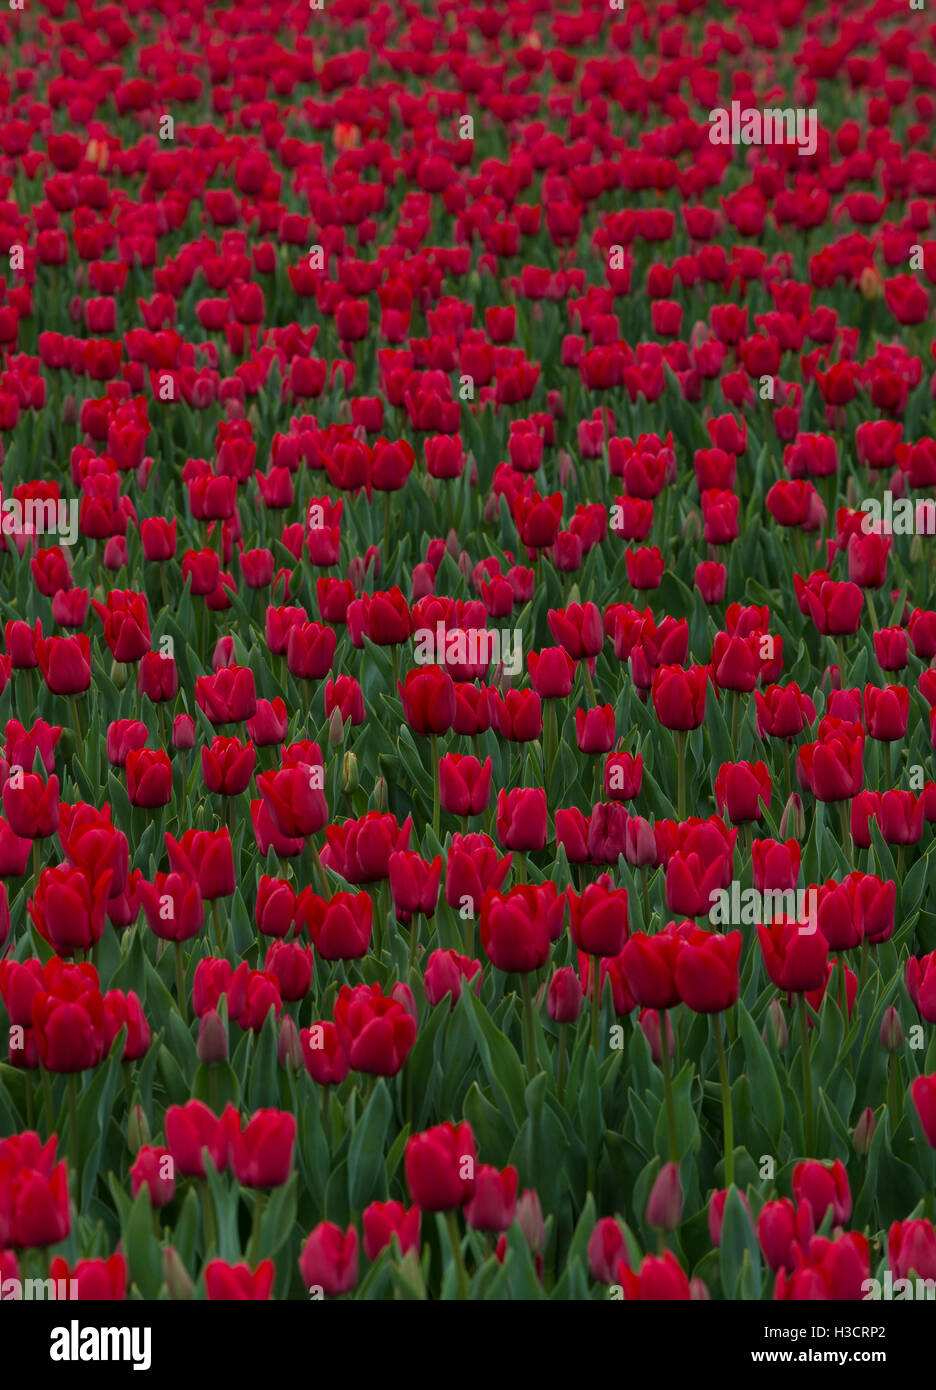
[384, 1220]
[658, 1279]
[606, 1249]
[238, 1283]
[795, 959]
[493, 1203]
[464, 784]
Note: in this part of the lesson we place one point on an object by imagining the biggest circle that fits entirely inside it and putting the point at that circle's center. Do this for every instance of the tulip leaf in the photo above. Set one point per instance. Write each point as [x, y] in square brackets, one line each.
[366, 1178]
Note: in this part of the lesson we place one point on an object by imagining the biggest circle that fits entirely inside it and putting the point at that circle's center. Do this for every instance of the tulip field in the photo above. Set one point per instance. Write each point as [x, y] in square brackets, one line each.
[468, 677]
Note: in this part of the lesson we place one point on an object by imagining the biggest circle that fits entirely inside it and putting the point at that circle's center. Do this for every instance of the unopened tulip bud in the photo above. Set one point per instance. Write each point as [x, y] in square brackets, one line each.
[664, 1205]
[381, 797]
[567, 474]
[118, 674]
[892, 1033]
[138, 1130]
[777, 1025]
[466, 567]
[864, 1131]
[649, 1020]
[178, 1280]
[335, 727]
[793, 820]
[917, 549]
[851, 492]
[69, 410]
[402, 993]
[356, 573]
[473, 473]
[349, 773]
[530, 1219]
[453, 544]
[212, 1045]
[289, 1048]
[491, 508]
[698, 1291]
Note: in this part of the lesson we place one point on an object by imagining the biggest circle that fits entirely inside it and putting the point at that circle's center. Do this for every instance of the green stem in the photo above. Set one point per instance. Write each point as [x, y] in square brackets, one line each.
[735, 719]
[552, 739]
[208, 1216]
[253, 1248]
[30, 1107]
[436, 801]
[809, 1118]
[887, 767]
[563, 1054]
[847, 848]
[414, 940]
[894, 1088]
[521, 861]
[682, 739]
[455, 1237]
[644, 883]
[74, 1152]
[589, 683]
[216, 919]
[180, 982]
[596, 1003]
[47, 1100]
[529, 1032]
[668, 1087]
[726, 1099]
[875, 625]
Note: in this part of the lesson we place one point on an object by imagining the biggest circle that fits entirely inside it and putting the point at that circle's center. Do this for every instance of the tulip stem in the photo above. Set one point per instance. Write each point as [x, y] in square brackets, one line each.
[875, 625]
[894, 1092]
[413, 941]
[76, 717]
[596, 1003]
[436, 803]
[668, 1087]
[455, 1237]
[216, 919]
[47, 1100]
[681, 738]
[846, 831]
[563, 1050]
[74, 1152]
[726, 1099]
[589, 683]
[208, 1216]
[840, 648]
[786, 769]
[887, 767]
[180, 982]
[30, 1110]
[521, 866]
[646, 896]
[552, 740]
[253, 1248]
[735, 719]
[35, 864]
[808, 1119]
[529, 1034]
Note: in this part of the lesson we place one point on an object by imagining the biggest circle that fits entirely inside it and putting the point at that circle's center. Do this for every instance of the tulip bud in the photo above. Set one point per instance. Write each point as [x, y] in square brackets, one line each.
[917, 550]
[178, 1280]
[491, 508]
[452, 543]
[851, 492]
[649, 1020]
[530, 1219]
[356, 573]
[380, 798]
[335, 727]
[138, 1130]
[793, 820]
[69, 410]
[864, 1131]
[466, 567]
[777, 1025]
[212, 1045]
[289, 1048]
[892, 1033]
[118, 674]
[664, 1205]
[349, 773]
[698, 1291]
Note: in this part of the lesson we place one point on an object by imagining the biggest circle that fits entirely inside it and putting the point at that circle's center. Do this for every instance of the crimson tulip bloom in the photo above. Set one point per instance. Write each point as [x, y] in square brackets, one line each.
[384, 1220]
[149, 777]
[238, 1283]
[440, 1167]
[650, 966]
[228, 765]
[598, 919]
[262, 1153]
[493, 1203]
[706, 971]
[376, 1031]
[323, 1055]
[679, 695]
[65, 663]
[31, 805]
[820, 1187]
[923, 1092]
[207, 857]
[659, 1278]
[69, 908]
[428, 699]
[515, 929]
[743, 790]
[795, 959]
[521, 818]
[464, 784]
[445, 974]
[414, 883]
